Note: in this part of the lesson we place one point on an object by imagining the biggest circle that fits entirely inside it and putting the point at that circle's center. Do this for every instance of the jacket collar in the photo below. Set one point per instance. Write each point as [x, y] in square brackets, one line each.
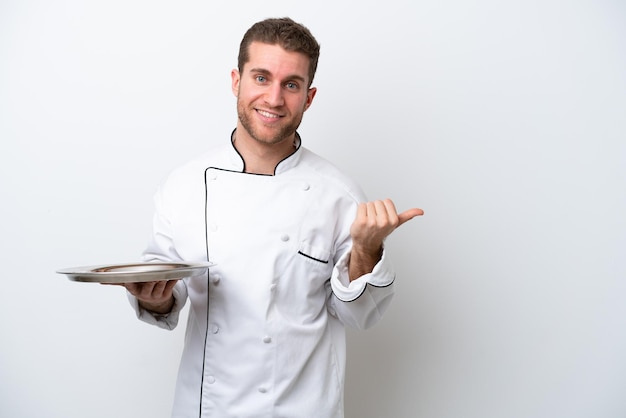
[236, 160]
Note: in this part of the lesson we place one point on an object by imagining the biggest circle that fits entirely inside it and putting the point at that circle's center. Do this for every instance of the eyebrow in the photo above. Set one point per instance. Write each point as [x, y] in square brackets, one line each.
[267, 72]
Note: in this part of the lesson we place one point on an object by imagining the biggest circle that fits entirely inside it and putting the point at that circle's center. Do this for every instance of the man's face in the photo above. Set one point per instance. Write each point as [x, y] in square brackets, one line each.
[272, 92]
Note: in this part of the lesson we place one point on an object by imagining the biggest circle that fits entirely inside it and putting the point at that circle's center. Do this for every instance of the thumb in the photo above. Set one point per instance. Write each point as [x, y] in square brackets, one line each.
[407, 215]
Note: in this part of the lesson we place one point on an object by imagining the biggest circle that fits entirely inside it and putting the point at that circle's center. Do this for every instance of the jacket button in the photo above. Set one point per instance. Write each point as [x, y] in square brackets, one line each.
[284, 237]
[267, 339]
[263, 389]
[215, 329]
[306, 187]
[210, 380]
[215, 279]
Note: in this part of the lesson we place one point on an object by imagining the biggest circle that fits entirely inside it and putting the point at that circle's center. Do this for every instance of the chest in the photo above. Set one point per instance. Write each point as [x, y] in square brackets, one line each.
[234, 213]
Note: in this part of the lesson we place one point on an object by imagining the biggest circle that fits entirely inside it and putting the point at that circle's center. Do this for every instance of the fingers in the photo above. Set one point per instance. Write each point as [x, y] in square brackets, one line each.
[157, 290]
[361, 211]
[169, 287]
[150, 291]
[391, 212]
[383, 212]
[378, 212]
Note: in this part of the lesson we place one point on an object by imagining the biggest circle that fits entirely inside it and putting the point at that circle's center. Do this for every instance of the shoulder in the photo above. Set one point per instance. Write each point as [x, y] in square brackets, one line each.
[331, 175]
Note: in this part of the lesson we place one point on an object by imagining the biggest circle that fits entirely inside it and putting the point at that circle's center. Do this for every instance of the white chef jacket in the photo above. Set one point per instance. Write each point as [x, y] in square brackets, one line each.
[265, 335]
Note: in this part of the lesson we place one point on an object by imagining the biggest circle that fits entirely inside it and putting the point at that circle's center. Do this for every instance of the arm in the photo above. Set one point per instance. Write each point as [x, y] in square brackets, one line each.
[362, 283]
[159, 303]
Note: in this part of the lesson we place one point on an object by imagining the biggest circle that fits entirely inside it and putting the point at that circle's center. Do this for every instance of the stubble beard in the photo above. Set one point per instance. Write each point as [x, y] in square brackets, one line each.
[281, 133]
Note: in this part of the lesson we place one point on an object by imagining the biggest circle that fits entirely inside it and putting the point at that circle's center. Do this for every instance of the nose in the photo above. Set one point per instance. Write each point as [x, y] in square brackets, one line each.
[274, 95]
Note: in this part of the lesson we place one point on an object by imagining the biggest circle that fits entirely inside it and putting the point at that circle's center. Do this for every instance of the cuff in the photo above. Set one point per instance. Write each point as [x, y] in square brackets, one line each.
[165, 321]
[382, 275]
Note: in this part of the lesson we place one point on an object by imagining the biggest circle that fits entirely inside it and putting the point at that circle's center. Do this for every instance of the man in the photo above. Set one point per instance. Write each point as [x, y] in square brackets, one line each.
[298, 252]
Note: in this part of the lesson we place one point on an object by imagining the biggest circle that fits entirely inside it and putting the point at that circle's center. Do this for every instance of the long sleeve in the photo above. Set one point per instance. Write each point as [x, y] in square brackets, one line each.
[362, 302]
[161, 248]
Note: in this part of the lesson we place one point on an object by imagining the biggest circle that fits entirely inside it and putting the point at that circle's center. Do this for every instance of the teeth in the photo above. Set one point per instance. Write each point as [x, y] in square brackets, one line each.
[267, 114]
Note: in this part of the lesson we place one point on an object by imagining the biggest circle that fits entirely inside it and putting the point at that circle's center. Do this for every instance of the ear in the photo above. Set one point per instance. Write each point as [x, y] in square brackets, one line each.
[309, 97]
[235, 79]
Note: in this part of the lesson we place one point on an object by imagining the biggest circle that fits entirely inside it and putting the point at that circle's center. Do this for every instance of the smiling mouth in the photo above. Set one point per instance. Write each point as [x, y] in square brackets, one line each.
[267, 114]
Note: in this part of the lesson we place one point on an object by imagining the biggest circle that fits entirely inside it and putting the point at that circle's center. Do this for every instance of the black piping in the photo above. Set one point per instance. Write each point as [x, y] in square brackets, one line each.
[232, 142]
[313, 258]
[206, 332]
[365, 287]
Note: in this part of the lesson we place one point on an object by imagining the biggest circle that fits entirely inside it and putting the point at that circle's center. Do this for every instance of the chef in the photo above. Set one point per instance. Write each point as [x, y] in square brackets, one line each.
[297, 250]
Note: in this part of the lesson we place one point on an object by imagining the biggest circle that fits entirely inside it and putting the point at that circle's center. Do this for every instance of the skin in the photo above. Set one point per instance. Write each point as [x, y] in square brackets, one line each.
[272, 95]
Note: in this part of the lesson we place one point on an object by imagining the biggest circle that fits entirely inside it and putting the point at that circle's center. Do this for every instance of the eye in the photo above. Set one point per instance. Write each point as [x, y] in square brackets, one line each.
[291, 85]
[260, 79]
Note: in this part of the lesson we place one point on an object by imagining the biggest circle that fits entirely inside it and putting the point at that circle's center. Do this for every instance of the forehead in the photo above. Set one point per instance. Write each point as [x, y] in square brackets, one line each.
[276, 60]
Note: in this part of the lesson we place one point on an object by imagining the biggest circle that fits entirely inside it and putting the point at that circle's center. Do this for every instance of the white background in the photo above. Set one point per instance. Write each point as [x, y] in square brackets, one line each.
[504, 121]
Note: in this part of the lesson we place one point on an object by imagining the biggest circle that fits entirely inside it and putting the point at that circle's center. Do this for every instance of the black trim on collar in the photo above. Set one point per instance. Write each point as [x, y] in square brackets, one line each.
[298, 144]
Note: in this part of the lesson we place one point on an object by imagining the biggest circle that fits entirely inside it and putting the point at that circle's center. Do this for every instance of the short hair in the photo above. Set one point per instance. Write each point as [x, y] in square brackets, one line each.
[286, 33]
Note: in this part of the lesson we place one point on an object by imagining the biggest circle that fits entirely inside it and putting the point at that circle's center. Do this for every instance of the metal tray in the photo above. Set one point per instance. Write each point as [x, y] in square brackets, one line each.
[135, 272]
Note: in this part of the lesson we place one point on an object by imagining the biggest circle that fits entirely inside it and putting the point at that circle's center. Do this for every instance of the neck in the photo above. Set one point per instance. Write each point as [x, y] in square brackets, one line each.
[260, 157]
